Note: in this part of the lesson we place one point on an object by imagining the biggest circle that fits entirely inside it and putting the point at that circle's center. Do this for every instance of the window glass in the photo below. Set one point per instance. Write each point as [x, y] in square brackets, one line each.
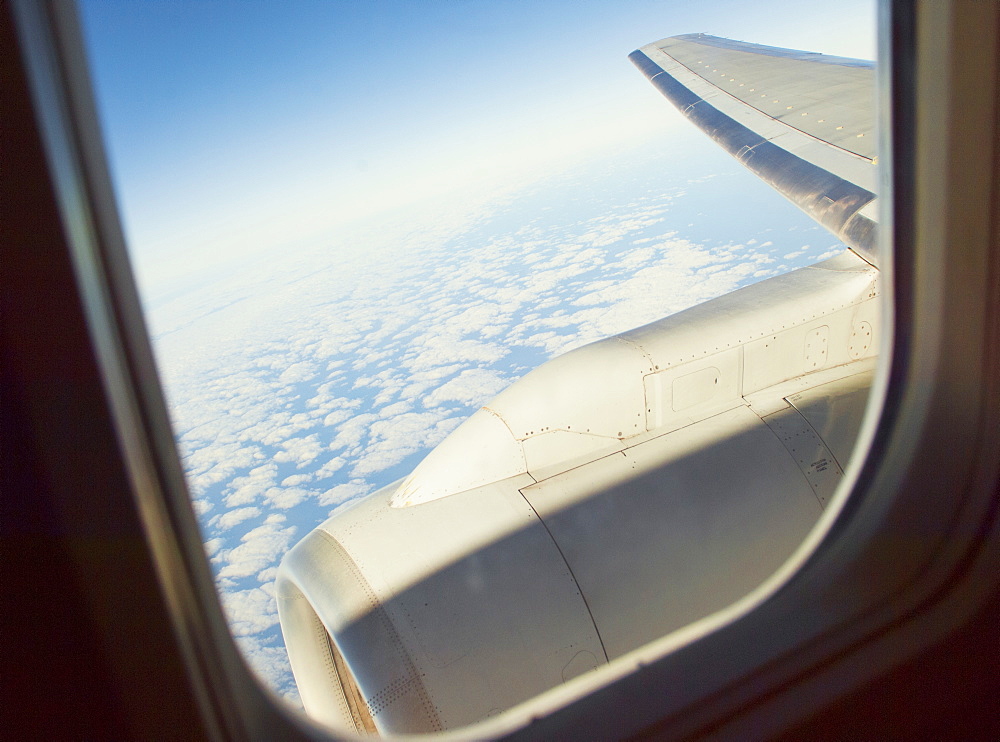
[353, 225]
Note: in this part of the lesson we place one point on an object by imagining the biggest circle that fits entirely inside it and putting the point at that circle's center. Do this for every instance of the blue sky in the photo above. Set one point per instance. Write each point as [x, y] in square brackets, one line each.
[236, 128]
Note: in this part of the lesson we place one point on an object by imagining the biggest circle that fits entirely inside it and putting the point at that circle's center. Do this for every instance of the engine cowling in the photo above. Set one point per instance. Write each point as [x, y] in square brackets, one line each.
[471, 587]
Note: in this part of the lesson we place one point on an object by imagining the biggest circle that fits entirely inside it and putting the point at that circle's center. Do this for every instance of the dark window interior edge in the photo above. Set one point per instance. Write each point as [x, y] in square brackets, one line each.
[116, 637]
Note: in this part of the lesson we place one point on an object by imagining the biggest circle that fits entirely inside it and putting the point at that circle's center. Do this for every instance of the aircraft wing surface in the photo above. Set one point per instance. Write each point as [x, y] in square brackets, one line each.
[803, 122]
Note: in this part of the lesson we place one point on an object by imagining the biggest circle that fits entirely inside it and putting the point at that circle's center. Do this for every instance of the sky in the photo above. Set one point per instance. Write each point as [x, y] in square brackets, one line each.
[235, 127]
[355, 223]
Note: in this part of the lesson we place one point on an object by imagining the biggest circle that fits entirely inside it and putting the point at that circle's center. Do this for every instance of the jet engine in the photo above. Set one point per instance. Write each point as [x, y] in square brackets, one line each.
[615, 494]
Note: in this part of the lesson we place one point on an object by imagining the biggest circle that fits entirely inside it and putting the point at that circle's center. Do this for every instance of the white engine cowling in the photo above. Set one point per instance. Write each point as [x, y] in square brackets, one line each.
[473, 586]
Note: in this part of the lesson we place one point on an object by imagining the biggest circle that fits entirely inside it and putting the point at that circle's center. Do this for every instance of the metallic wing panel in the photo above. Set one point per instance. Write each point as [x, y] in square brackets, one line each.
[802, 122]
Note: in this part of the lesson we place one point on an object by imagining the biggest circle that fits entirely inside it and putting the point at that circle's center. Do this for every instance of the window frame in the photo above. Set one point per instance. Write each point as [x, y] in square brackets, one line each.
[832, 625]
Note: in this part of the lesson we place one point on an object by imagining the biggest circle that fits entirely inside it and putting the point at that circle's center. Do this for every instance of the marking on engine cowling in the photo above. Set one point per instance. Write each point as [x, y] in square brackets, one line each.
[808, 450]
[861, 339]
[817, 348]
[569, 571]
[582, 662]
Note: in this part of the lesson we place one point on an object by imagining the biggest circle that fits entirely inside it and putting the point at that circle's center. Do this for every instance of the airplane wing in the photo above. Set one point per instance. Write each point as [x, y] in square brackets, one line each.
[802, 122]
[629, 487]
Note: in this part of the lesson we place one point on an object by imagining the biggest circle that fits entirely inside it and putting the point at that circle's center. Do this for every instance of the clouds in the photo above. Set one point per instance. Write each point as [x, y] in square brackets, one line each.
[249, 611]
[231, 518]
[341, 493]
[258, 549]
[391, 441]
[473, 388]
[352, 432]
[299, 451]
[297, 372]
[284, 498]
[438, 350]
[249, 488]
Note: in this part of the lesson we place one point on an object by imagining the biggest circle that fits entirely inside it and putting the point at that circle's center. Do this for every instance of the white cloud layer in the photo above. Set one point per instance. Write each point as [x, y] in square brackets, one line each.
[259, 548]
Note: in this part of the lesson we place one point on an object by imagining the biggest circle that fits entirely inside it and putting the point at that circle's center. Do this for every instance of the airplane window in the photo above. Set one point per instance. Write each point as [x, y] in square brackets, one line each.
[565, 374]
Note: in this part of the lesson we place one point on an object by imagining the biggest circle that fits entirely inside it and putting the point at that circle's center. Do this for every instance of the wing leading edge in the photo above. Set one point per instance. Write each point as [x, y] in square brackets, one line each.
[802, 122]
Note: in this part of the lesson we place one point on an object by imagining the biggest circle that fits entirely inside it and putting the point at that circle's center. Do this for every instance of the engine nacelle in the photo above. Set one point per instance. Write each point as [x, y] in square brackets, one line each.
[482, 581]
